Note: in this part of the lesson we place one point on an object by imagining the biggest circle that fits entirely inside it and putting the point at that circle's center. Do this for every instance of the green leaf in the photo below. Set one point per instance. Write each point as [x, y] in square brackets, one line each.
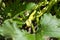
[50, 25]
[39, 36]
[10, 29]
[30, 6]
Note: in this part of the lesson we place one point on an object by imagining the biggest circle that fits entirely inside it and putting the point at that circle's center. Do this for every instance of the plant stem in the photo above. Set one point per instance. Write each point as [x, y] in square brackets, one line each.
[47, 8]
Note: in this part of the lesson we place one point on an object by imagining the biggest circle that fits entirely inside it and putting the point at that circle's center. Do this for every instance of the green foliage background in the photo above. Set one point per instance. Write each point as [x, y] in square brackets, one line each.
[29, 20]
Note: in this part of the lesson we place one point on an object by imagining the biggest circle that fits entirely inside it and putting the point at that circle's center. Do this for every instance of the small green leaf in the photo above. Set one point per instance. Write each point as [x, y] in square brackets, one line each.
[30, 6]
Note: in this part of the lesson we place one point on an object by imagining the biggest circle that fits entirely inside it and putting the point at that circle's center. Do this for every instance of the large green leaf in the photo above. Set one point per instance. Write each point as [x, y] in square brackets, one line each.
[10, 29]
[50, 25]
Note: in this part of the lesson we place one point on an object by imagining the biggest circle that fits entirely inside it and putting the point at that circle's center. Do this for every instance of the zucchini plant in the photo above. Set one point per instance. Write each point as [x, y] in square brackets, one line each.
[29, 20]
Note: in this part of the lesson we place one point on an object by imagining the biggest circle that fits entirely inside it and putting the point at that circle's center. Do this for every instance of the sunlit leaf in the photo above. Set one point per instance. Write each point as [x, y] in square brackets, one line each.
[50, 25]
